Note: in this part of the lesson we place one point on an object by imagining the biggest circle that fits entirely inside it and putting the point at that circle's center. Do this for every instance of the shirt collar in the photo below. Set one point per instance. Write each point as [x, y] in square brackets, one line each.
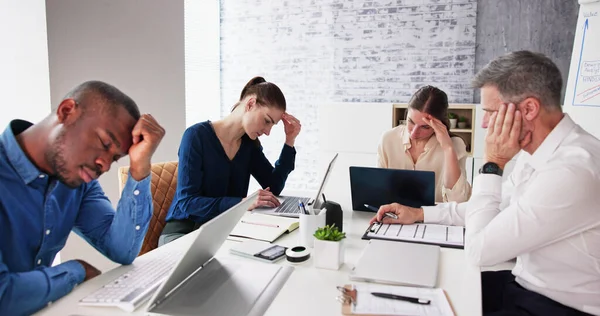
[17, 158]
[405, 138]
[552, 141]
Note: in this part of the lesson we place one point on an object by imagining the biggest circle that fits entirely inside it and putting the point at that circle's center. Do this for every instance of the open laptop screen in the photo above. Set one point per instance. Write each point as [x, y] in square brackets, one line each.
[379, 186]
[318, 202]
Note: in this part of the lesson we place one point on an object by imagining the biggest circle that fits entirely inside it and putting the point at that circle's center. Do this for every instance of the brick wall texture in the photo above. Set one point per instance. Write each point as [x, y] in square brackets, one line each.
[320, 51]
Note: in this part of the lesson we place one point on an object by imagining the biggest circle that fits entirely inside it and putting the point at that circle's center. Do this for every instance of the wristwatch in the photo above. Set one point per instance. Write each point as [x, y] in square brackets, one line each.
[490, 168]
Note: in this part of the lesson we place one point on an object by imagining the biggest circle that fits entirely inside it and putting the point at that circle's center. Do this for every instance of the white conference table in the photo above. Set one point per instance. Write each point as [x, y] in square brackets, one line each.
[308, 291]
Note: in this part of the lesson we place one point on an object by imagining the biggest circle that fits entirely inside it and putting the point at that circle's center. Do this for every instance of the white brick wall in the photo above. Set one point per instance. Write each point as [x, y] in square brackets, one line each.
[320, 51]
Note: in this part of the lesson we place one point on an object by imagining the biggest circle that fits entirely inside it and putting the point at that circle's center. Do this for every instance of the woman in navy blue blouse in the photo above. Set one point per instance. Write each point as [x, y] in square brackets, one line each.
[217, 158]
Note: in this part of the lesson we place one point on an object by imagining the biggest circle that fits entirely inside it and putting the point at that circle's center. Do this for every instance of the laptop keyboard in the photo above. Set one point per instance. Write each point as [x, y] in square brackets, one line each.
[290, 205]
[134, 287]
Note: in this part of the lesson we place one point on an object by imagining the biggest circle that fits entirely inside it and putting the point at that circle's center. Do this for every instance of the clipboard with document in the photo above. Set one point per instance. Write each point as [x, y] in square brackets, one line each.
[432, 234]
[365, 299]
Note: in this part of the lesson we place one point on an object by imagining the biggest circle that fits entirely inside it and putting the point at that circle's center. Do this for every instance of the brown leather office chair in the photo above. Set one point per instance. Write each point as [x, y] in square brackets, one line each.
[163, 186]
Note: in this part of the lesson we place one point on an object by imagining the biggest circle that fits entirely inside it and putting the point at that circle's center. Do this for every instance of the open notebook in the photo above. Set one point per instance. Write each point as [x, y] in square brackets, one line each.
[264, 227]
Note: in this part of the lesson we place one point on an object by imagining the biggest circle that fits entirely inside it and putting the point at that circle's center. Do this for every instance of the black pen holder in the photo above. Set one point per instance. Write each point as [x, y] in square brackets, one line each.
[334, 215]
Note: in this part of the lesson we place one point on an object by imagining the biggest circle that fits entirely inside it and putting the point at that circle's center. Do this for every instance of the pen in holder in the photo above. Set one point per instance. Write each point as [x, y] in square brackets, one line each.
[308, 226]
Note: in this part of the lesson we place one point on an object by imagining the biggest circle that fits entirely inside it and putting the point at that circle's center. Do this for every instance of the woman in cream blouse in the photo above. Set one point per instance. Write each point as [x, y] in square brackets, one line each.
[425, 143]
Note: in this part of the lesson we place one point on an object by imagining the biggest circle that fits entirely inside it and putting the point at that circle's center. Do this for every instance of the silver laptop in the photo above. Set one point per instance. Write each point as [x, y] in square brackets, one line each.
[289, 204]
[405, 264]
[196, 268]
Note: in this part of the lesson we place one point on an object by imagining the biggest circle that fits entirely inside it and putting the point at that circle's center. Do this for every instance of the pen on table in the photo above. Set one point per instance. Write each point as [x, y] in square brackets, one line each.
[261, 224]
[415, 300]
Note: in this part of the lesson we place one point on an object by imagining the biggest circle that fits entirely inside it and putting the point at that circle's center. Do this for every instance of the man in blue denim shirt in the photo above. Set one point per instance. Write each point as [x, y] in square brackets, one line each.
[48, 187]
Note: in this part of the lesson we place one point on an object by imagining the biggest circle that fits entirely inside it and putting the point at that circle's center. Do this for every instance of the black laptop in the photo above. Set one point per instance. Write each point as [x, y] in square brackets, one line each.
[379, 186]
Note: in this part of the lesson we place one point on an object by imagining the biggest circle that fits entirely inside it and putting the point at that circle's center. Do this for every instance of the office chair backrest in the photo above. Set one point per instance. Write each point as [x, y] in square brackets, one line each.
[163, 186]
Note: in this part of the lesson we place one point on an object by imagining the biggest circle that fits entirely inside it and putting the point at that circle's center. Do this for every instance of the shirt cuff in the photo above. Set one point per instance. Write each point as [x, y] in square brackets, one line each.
[287, 158]
[287, 149]
[137, 194]
[433, 214]
[138, 191]
[72, 269]
[131, 185]
[487, 184]
[75, 269]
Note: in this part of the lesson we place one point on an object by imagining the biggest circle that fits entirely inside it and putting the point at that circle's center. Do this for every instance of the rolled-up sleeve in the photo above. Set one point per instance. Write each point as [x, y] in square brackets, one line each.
[461, 191]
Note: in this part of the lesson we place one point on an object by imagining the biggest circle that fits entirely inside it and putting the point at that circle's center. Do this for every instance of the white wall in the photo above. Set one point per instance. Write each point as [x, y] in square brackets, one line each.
[320, 51]
[353, 133]
[24, 82]
[202, 61]
[138, 46]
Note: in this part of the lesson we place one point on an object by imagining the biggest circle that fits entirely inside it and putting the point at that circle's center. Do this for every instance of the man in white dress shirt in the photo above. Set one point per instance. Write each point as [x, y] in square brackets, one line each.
[547, 213]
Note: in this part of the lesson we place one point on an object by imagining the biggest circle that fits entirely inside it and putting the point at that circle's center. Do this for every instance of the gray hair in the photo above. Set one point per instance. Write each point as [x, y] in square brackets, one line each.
[111, 97]
[523, 74]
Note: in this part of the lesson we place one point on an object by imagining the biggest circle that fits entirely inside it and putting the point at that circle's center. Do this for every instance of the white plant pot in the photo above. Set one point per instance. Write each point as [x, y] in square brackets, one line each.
[453, 123]
[328, 254]
[462, 125]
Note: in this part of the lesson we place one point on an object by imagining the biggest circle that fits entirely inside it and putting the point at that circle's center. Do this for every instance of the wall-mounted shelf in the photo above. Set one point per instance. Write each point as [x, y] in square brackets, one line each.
[467, 111]
[461, 130]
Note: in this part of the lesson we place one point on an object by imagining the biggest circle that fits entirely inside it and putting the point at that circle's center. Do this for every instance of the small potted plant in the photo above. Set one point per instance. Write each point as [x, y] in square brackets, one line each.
[329, 247]
[462, 122]
[453, 119]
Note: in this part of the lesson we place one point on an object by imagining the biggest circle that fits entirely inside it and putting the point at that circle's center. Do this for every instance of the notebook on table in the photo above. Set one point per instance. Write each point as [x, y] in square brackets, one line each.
[264, 227]
[432, 234]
